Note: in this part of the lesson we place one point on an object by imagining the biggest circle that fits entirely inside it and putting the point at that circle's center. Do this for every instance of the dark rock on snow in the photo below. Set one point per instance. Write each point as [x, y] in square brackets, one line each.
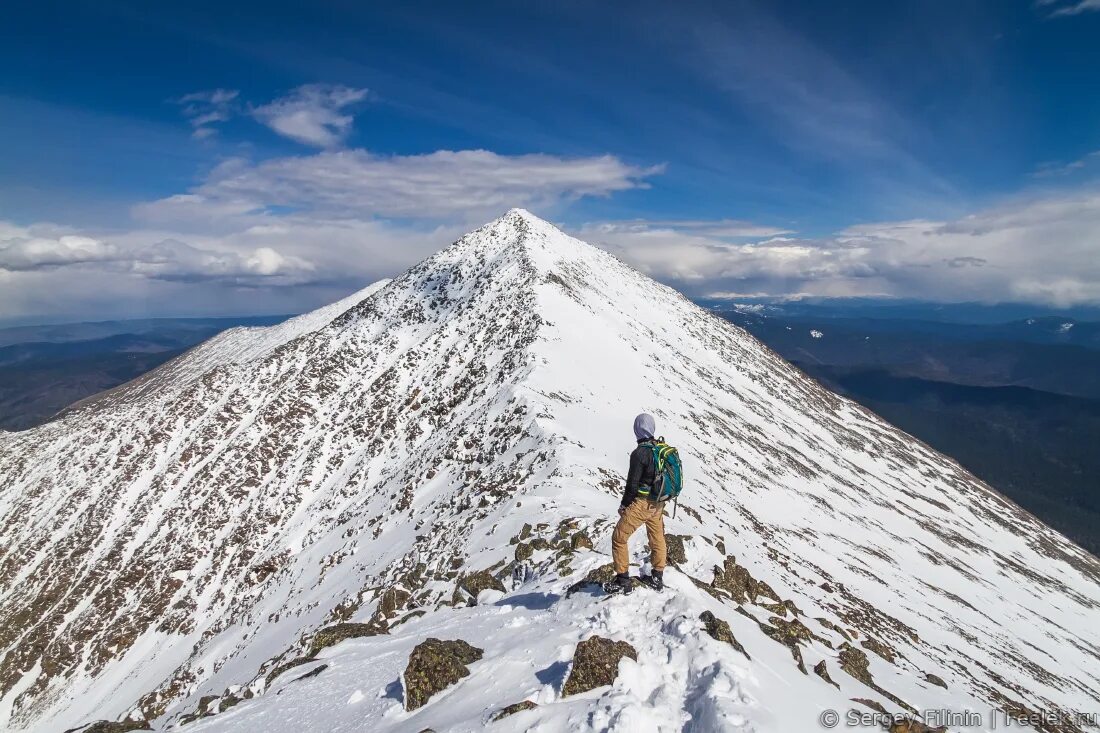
[720, 631]
[519, 707]
[332, 635]
[435, 665]
[596, 664]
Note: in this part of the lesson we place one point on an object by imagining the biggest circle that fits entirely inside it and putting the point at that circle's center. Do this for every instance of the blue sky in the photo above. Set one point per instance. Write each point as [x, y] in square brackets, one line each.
[169, 159]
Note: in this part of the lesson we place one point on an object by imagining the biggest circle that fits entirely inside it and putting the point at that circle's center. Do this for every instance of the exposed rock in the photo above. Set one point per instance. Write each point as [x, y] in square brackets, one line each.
[597, 576]
[739, 583]
[113, 726]
[332, 635]
[826, 623]
[435, 665]
[878, 648]
[935, 680]
[873, 704]
[822, 671]
[720, 631]
[540, 543]
[676, 552]
[202, 710]
[392, 600]
[596, 664]
[229, 701]
[518, 707]
[580, 541]
[284, 667]
[854, 662]
[479, 581]
[524, 552]
[790, 634]
[312, 673]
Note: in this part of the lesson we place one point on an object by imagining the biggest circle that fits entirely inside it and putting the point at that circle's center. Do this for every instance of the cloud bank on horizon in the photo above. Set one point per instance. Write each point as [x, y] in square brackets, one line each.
[287, 222]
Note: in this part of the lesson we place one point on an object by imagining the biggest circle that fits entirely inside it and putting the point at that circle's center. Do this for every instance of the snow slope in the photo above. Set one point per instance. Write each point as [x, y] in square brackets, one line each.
[185, 536]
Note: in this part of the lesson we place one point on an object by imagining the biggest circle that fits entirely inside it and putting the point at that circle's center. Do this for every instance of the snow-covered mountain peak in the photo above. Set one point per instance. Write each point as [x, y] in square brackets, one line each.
[441, 455]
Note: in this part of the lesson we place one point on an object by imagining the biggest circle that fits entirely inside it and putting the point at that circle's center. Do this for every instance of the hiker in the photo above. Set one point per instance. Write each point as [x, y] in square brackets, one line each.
[637, 509]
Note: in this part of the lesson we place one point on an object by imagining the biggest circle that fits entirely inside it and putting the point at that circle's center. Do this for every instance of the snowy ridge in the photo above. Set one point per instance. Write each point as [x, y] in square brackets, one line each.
[186, 536]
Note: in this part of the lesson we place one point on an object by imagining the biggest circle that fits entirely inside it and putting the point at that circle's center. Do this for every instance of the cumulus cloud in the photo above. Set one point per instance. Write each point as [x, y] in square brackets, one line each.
[355, 183]
[1040, 250]
[167, 259]
[21, 253]
[313, 114]
[206, 108]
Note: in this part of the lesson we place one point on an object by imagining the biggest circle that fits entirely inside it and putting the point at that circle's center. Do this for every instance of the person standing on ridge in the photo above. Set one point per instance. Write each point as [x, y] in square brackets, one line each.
[640, 507]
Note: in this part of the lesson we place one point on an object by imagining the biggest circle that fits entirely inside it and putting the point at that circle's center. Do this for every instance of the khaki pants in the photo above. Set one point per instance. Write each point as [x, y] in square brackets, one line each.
[649, 513]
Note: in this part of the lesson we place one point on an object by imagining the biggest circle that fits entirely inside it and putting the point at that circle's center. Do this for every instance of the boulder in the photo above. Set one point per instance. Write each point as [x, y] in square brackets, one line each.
[580, 541]
[114, 726]
[435, 665]
[332, 635]
[479, 581]
[524, 552]
[720, 630]
[597, 576]
[935, 680]
[822, 671]
[676, 553]
[596, 664]
[518, 707]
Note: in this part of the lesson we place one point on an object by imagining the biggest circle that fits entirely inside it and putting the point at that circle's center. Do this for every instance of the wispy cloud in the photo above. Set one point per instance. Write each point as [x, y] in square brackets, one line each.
[207, 108]
[355, 183]
[1074, 7]
[716, 228]
[313, 114]
[1052, 169]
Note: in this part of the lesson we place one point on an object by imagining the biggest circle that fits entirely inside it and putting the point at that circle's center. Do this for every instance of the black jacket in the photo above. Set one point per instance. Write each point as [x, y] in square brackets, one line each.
[641, 473]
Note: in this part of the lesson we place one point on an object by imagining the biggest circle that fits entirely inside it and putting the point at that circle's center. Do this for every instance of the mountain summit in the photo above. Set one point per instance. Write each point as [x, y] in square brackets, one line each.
[257, 535]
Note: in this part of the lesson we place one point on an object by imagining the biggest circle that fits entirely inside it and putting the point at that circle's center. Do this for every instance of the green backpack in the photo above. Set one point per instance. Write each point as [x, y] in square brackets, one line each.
[668, 477]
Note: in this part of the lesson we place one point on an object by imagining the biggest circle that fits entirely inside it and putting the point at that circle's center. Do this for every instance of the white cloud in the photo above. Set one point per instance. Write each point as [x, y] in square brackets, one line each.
[354, 183]
[1076, 7]
[29, 252]
[1051, 169]
[1043, 250]
[207, 108]
[312, 114]
[167, 259]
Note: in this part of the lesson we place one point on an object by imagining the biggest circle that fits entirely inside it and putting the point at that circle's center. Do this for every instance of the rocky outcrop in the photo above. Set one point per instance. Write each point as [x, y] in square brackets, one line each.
[720, 630]
[823, 672]
[738, 582]
[435, 665]
[596, 664]
[854, 662]
[596, 576]
[518, 707]
[111, 726]
[332, 635]
[935, 680]
[479, 581]
[676, 552]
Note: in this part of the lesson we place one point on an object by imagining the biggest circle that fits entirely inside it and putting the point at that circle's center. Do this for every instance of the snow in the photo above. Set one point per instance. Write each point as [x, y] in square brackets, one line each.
[277, 481]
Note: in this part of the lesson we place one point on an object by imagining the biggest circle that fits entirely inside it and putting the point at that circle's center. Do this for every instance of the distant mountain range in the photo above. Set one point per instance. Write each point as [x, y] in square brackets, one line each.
[1017, 403]
[44, 369]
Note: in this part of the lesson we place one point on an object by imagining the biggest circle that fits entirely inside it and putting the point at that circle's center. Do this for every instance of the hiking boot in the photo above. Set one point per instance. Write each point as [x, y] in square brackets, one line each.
[621, 584]
[655, 580]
